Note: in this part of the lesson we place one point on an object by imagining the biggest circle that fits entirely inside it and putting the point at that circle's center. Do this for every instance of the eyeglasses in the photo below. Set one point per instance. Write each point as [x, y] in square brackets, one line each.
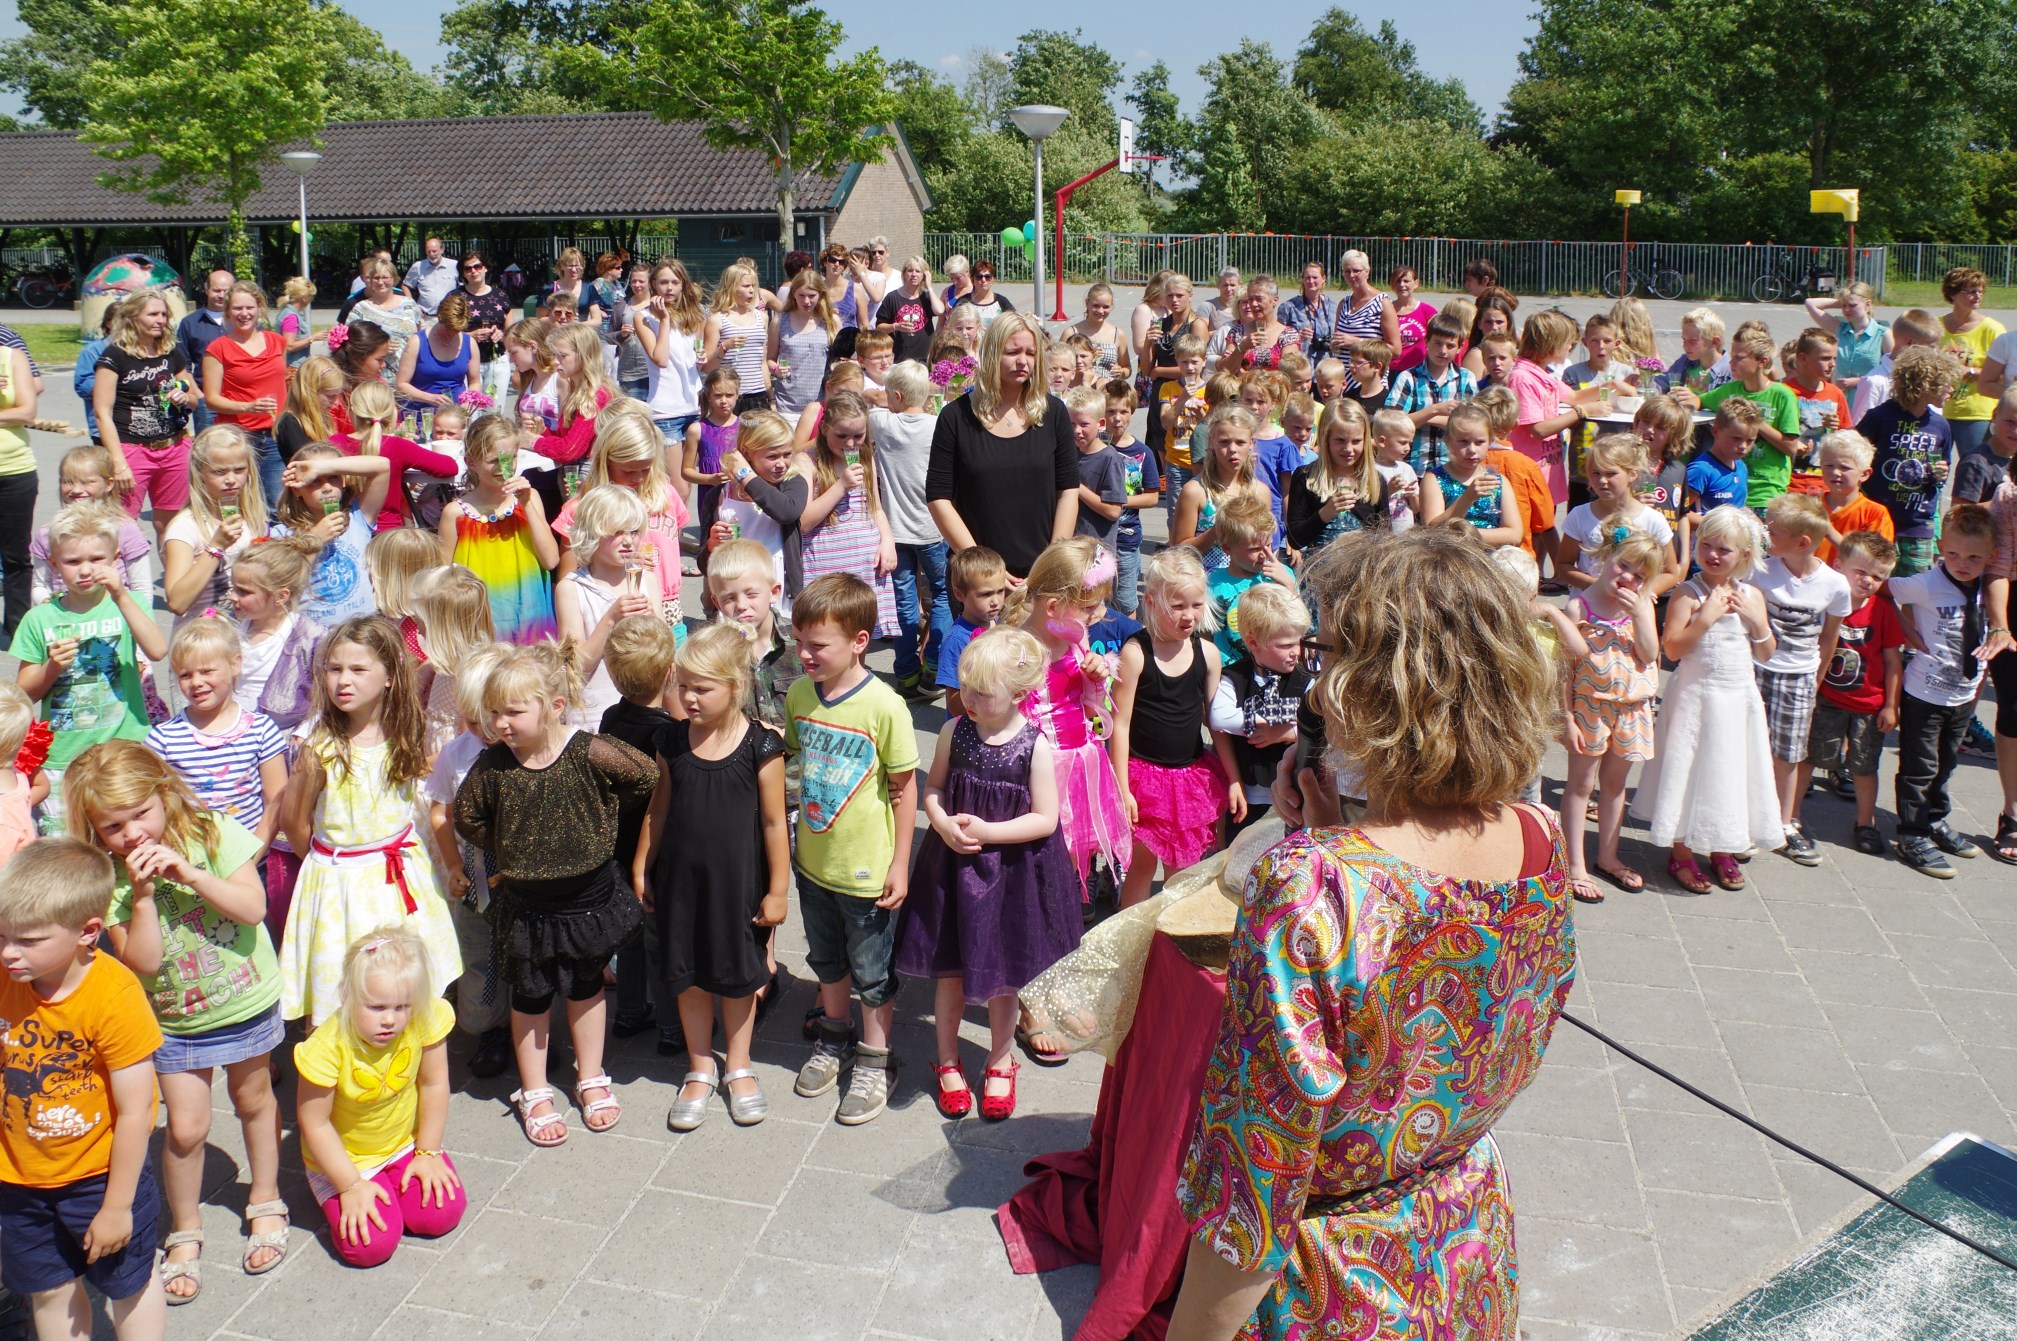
[1314, 647]
[474, 265]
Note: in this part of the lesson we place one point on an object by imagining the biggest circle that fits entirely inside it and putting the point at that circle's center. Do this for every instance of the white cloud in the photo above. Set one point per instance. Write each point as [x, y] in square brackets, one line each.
[952, 62]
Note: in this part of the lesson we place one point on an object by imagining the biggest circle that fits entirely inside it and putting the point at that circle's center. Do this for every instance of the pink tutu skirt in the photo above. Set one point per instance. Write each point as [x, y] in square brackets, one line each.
[1090, 813]
[1177, 809]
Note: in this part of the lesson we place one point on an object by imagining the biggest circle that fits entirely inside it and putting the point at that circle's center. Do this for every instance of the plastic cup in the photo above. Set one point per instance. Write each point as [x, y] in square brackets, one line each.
[330, 505]
[853, 457]
[735, 530]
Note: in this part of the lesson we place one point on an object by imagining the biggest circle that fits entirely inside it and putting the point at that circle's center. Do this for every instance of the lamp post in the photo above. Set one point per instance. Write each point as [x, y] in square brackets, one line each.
[1627, 199]
[1039, 121]
[302, 162]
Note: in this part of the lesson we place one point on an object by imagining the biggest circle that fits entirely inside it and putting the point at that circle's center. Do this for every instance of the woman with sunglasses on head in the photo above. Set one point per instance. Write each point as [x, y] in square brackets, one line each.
[847, 295]
[490, 315]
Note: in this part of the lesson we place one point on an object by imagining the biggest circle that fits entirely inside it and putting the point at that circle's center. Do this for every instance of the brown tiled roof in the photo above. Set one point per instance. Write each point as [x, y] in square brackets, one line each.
[601, 165]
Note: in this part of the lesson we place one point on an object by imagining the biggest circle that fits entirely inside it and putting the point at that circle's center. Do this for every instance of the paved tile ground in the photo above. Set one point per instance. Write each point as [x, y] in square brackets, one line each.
[1861, 1009]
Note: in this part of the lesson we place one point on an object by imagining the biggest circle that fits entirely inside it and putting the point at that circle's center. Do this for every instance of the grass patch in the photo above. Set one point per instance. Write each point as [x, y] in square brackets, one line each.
[1925, 293]
[52, 345]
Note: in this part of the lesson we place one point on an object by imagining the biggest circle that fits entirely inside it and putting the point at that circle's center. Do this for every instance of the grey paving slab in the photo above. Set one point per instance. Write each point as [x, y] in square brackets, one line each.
[1707, 1242]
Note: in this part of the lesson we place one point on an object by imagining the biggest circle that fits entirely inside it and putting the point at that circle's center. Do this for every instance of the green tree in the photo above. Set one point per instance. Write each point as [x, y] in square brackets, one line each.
[1375, 76]
[517, 56]
[1067, 70]
[369, 81]
[1160, 127]
[1249, 101]
[936, 121]
[986, 89]
[758, 74]
[45, 68]
[203, 95]
[1226, 198]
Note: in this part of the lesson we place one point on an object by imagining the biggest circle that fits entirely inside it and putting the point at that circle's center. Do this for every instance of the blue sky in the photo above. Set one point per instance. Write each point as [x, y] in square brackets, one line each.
[1186, 34]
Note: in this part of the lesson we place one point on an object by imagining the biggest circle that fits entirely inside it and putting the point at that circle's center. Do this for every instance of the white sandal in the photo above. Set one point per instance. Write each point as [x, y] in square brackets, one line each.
[190, 1270]
[537, 1124]
[607, 1103]
[276, 1239]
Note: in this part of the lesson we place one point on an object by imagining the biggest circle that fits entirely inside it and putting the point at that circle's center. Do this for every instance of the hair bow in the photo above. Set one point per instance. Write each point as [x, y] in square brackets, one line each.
[210, 612]
[1618, 534]
[337, 335]
[1101, 570]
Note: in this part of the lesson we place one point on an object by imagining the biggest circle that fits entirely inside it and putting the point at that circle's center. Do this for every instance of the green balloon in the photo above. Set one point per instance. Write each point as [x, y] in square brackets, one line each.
[1012, 237]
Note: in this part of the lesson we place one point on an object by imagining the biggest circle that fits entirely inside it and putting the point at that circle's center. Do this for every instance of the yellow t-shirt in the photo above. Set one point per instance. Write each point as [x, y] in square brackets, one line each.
[1177, 441]
[377, 1103]
[1973, 345]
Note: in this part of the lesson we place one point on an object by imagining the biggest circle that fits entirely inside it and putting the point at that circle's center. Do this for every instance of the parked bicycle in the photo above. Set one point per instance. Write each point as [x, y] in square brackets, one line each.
[1786, 282]
[1653, 277]
[43, 286]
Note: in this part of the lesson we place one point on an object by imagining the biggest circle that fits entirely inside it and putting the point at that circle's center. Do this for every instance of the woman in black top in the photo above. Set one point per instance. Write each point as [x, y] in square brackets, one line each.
[1159, 351]
[1003, 470]
[489, 314]
[141, 396]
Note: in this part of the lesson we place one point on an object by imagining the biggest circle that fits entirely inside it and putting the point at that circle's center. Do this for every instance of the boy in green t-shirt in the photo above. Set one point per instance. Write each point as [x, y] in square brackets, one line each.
[77, 649]
[857, 809]
[1771, 460]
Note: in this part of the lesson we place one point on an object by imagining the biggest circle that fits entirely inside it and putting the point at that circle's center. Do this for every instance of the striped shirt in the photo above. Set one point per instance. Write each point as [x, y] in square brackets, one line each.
[223, 770]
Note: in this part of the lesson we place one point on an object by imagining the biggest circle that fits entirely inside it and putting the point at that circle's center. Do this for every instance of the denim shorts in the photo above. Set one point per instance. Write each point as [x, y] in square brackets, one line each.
[221, 1047]
[43, 1228]
[848, 937]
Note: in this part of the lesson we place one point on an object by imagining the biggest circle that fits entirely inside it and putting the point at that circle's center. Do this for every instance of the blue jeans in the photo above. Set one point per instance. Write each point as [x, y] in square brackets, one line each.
[266, 461]
[848, 938]
[673, 430]
[1127, 580]
[1175, 477]
[912, 560]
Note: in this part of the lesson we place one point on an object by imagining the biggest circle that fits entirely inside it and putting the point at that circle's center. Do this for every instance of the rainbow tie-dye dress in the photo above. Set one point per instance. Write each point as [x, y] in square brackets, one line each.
[498, 549]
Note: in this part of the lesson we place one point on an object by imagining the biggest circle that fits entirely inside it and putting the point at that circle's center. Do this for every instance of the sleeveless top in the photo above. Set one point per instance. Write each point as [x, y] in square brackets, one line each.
[803, 352]
[846, 310]
[1856, 354]
[1611, 673]
[16, 458]
[432, 375]
[1362, 321]
[747, 358]
[1167, 728]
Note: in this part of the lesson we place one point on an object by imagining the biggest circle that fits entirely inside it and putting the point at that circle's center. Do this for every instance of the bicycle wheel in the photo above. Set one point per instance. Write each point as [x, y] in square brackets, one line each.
[1609, 287]
[38, 291]
[1665, 282]
[1769, 287]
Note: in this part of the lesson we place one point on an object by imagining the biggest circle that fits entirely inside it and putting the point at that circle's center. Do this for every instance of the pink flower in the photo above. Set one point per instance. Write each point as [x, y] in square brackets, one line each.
[338, 333]
[472, 399]
[1651, 365]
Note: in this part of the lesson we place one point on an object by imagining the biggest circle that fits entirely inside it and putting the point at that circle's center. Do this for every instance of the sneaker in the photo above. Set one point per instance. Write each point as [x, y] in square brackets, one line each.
[1800, 848]
[1979, 739]
[867, 1089]
[630, 1026]
[912, 685]
[1868, 841]
[1918, 852]
[672, 1042]
[834, 1051]
[1845, 785]
[1952, 843]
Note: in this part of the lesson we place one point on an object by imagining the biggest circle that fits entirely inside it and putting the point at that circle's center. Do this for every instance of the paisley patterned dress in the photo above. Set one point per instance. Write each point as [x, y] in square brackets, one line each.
[1379, 1019]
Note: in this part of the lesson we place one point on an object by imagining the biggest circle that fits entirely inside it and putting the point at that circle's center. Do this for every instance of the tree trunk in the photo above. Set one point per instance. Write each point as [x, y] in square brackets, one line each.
[787, 201]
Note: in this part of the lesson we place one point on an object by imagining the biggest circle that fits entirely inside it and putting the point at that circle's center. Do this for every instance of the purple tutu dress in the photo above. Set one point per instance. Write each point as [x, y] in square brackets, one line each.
[1005, 914]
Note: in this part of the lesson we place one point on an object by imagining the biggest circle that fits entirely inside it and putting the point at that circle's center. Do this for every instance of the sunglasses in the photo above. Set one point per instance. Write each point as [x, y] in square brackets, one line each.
[878, 251]
[474, 265]
[983, 274]
[1314, 647]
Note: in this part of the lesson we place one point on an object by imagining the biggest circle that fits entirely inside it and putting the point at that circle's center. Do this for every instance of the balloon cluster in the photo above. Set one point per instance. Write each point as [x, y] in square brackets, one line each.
[1016, 239]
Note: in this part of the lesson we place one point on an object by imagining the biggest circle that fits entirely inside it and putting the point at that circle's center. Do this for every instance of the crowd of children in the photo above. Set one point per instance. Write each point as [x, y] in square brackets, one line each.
[436, 722]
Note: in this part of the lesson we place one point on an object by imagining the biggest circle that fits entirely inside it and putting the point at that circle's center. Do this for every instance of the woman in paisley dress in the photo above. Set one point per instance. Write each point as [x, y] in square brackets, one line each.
[1392, 985]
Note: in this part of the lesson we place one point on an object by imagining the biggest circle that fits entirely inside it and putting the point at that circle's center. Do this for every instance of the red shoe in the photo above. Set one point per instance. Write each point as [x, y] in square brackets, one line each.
[953, 1104]
[995, 1107]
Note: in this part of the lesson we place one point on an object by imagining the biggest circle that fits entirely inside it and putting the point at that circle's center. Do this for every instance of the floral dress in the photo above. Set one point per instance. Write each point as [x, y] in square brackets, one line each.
[1379, 1019]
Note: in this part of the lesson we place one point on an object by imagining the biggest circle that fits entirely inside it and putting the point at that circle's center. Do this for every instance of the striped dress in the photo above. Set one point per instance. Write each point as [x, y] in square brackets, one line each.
[499, 550]
[846, 542]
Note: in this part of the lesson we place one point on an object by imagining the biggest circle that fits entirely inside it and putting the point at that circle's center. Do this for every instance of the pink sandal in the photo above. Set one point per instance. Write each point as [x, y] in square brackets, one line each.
[1728, 873]
[1687, 874]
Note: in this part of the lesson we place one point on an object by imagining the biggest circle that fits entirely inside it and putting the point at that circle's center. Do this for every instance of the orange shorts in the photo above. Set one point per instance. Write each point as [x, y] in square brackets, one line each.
[1609, 727]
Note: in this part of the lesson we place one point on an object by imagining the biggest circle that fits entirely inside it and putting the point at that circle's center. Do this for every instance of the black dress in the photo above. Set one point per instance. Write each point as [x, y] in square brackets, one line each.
[712, 870]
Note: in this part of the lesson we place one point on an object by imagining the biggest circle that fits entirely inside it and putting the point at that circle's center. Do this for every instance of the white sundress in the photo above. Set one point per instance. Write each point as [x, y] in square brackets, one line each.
[368, 834]
[1709, 783]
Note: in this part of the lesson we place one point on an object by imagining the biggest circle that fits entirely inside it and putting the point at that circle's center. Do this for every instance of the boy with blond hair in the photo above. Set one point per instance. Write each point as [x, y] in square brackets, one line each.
[638, 656]
[1702, 365]
[1845, 459]
[1806, 601]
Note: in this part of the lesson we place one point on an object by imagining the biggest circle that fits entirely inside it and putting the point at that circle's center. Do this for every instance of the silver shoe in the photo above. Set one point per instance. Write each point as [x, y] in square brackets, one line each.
[686, 1114]
[745, 1110]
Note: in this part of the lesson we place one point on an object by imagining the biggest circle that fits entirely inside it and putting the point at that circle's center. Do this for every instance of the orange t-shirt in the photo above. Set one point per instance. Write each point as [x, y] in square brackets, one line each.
[1860, 513]
[1530, 486]
[59, 1056]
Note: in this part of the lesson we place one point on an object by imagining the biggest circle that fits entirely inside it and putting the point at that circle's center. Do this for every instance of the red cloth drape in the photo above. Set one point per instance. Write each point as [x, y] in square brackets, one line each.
[1125, 1178]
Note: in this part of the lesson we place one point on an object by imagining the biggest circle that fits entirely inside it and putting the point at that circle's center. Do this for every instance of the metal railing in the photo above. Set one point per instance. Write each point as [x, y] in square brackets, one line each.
[1707, 271]
[1926, 262]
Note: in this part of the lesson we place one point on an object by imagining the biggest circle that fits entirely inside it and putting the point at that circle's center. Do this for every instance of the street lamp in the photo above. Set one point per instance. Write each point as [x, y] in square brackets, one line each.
[1039, 121]
[302, 162]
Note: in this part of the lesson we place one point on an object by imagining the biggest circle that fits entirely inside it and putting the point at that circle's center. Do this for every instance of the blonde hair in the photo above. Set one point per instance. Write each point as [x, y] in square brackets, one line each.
[212, 634]
[1545, 334]
[17, 714]
[1344, 412]
[126, 333]
[1618, 451]
[1007, 661]
[400, 712]
[579, 402]
[486, 438]
[1801, 515]
[258, 296]
[1634, 324]
[470, 679]
[1238, 418]
[1854, 445]
[1636, 550]
[1060, 574]
[741, 559]
[55, 882]
[120, 774]
[689, 313]
[1708, 324]
[907, 384]
[89, 458]
[310, 380]
[1519, 565]
[1386, 422]
[204, 452]
[283, 563]
[86, 519]
[822, 312]
[1500, 408]
[1244, 519]
[625, 435]
[732, 277]
[1738, 528]
[1431, 639]
[385, 952]
[602, 512]
[1924, 374]
[1171, 569]
[373, 410]
[719, 653]
[638, 654]
[541, 671]
[763, 431]
[1085, 400]
[453, 607]
[298, 290]
[531, 334]
[1268, 610]
[827, 464]
[987, 394]
[394, 560]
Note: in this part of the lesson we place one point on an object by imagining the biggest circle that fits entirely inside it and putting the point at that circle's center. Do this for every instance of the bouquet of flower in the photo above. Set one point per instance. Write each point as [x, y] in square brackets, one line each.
[1652, 374]
[472, 399]
[338, 333]
[954, 377]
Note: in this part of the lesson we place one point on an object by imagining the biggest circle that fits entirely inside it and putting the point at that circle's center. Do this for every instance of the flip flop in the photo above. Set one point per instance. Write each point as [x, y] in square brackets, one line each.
[1688, 875]
[2004, 847]
[1624, 878]
[1728, 873]
[1585, 892]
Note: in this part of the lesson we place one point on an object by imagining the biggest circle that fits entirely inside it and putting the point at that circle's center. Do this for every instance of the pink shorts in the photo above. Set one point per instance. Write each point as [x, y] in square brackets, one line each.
[161, 473]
